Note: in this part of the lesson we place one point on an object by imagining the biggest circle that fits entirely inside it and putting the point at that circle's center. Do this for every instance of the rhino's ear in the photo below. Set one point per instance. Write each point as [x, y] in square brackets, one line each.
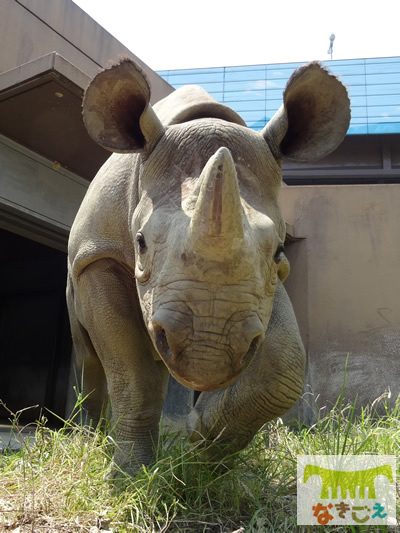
[313, 118]
[116, 110]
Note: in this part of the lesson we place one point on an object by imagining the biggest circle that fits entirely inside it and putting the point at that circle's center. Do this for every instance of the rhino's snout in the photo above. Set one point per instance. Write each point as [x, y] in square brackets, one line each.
[207, 363]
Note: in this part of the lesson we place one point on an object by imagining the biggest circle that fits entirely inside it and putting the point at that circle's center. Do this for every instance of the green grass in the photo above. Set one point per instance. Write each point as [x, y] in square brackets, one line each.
[55, 482]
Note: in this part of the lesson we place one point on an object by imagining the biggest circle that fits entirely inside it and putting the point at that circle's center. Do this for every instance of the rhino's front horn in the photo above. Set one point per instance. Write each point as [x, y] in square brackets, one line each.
[216, 228]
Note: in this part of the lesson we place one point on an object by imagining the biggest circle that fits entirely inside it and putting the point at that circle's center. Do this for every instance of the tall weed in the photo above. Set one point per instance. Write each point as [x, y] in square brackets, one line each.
[55, 480]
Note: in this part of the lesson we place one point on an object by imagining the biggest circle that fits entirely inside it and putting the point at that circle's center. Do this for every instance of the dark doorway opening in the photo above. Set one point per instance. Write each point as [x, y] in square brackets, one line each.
[35, 339]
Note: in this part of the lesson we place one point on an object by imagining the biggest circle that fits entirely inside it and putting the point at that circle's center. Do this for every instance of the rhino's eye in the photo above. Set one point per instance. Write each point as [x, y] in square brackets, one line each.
[278, 253]
[141, 242]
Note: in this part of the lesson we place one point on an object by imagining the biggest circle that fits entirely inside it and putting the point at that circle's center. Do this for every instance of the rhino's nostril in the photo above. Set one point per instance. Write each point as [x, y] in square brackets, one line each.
[255, 343]
[162, 343]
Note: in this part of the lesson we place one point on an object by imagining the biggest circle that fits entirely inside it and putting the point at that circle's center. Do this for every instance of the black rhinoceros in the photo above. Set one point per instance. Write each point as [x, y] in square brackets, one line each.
[176, 257]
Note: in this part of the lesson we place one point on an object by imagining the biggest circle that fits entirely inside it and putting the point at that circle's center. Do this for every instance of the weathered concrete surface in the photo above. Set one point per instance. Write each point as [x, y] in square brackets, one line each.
[41, 188]
[345, 287]
[33, 28]
[36, 198]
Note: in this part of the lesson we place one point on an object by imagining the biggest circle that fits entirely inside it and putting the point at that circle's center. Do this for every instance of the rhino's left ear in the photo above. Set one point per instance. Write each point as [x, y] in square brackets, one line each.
[313, 118]
[117, 111]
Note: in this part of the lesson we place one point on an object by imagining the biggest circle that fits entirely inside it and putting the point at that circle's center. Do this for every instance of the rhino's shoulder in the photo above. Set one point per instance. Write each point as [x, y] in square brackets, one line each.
[101, 226]
[190, 103]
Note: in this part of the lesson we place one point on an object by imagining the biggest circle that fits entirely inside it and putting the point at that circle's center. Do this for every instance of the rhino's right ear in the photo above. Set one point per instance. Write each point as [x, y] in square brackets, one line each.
[313, 119]
[117, 111]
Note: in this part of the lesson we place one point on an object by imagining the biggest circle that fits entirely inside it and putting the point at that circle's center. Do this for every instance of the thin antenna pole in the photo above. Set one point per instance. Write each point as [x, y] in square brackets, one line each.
[331, 38]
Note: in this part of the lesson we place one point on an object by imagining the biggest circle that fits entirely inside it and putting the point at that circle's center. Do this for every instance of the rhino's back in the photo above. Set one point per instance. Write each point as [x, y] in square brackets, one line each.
[101, 227]
[191, 102]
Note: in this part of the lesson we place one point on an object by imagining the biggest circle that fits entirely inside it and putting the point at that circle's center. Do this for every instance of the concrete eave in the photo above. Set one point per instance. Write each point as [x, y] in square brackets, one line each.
[40, 108]
[54, 65]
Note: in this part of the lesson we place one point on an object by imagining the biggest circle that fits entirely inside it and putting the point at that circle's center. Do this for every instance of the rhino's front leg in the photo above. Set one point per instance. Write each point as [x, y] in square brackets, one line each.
[267, 389]
[106, 306]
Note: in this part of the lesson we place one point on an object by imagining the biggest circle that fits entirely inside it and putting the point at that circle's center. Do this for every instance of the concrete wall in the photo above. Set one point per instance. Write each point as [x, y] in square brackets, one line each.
[44, 153]
[345, 288]
[45, 150]
[33, 28]
[37, 201]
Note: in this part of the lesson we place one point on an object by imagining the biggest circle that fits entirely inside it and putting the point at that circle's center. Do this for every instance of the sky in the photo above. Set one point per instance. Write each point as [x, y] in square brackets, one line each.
[175, 34]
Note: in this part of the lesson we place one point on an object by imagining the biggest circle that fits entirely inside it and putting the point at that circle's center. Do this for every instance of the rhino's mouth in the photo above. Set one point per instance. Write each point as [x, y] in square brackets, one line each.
[202, 370]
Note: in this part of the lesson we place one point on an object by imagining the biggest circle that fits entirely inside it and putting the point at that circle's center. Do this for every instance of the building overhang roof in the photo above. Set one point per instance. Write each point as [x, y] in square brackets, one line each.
[40, 108]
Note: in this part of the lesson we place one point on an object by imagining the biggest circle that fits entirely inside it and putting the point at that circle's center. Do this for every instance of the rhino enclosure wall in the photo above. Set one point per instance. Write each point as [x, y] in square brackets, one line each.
[345, 288]
[49, 51]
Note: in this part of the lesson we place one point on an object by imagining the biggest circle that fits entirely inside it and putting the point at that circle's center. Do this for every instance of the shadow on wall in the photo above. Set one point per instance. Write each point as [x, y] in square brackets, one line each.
[35, 340]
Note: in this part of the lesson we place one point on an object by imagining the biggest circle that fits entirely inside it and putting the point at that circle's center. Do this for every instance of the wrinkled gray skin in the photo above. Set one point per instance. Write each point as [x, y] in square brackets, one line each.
[176, 260]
